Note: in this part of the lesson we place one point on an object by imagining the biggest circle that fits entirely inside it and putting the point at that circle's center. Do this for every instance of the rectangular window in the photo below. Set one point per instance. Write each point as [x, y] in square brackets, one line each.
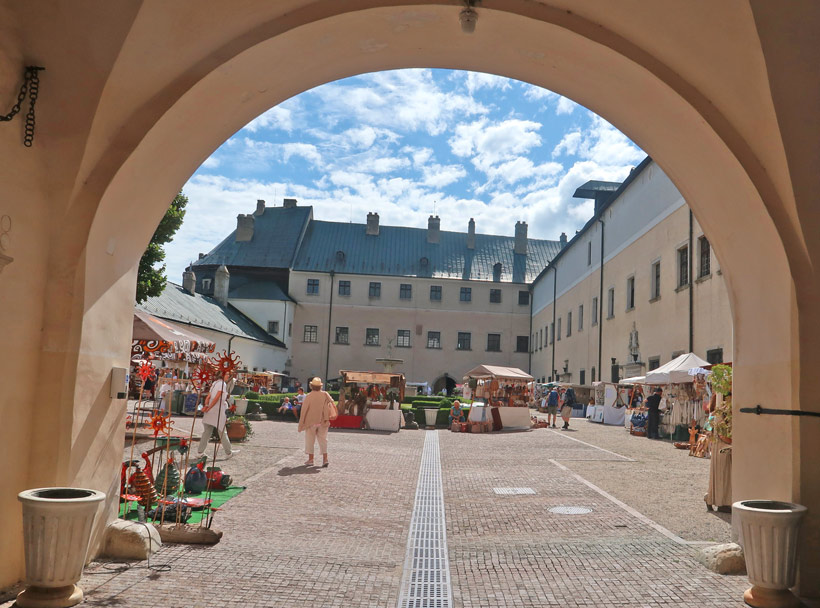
[206, 285]
[290, 329]
[630, 293]
[344, 288]
[540, 339]
[705, 266]
[523, 298]
[656, 281]
[371, 336]
[403, 338]
[552, 333]
[582, 377]
[311, 333]
[495, 296]
[558, 329]
[466, 294]
[313, 287]
[342, 335]
[594, 320]
[433, 339]
[405, 291]
[435, 293]
[463, 341]
[683, 266]
[589, 258]
[581, 318]
[569, 324]
[593, 375]
[610, 304]
[654, 363]
[375, 289]
[714, 356]
[273, 327]
[522, 344]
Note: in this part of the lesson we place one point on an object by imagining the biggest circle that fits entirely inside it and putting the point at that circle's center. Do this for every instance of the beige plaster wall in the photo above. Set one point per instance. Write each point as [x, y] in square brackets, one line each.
[721, 95]
[390, 313]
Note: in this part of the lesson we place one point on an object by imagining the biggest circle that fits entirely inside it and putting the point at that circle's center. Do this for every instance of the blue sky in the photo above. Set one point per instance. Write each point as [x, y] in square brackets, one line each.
[406, 143]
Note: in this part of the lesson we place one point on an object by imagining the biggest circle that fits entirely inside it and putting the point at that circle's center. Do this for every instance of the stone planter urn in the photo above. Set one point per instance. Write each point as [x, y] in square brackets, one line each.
[769, 535]
[241, 406]
[56, 533]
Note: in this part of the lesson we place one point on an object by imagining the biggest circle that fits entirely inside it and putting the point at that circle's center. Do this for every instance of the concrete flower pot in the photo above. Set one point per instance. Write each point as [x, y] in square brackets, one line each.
[56, 532]
[769, 534]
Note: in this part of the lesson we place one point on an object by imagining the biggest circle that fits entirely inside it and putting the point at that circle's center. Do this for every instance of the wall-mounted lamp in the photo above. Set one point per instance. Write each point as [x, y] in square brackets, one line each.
[468, 17]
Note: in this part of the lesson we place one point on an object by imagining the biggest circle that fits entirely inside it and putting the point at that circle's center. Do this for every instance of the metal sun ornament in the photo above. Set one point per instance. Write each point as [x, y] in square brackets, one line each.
[202, 375]
[227, 362]
[160, 424]
[145, 370]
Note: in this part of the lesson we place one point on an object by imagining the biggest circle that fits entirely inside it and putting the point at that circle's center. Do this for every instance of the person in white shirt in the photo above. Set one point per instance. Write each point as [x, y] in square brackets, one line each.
[215, 415]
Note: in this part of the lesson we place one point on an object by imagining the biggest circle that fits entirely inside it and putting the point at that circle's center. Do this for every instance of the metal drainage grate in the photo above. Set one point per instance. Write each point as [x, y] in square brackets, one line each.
[570, 510]
[513, 491]
[426, 580]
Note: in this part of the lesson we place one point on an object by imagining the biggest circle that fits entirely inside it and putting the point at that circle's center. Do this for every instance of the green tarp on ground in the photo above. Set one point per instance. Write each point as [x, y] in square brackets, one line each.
[218, 498]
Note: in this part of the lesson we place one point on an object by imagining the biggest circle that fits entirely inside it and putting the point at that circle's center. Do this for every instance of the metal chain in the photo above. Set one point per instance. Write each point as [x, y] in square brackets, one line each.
[31, 85]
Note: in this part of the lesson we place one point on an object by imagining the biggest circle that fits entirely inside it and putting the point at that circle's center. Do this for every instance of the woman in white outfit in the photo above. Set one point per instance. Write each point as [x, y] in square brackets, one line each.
[215, 414]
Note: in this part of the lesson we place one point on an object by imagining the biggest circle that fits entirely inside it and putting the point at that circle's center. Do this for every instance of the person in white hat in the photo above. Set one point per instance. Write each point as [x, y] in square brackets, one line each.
[315, 420]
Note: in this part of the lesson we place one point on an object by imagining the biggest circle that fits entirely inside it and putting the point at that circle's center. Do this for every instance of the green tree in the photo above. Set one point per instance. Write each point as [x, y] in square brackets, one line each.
[150, 277]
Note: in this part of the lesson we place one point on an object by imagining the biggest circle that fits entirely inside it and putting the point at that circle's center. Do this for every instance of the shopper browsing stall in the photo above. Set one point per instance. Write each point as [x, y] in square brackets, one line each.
[653, 404]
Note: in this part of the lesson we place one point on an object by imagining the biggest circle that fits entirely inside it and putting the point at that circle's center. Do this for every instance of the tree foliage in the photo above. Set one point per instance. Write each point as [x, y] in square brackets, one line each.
[150, 277]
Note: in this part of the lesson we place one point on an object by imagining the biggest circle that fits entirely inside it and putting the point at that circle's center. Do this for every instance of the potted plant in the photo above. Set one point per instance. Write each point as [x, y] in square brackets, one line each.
[721, 378]
[239, 428]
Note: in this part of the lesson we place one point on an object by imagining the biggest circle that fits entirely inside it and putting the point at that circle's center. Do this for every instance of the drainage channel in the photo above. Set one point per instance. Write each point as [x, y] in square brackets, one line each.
[426, 579]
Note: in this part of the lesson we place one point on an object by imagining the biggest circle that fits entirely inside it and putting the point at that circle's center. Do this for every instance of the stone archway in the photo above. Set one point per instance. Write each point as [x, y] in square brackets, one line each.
[714, 107]
[446, 383]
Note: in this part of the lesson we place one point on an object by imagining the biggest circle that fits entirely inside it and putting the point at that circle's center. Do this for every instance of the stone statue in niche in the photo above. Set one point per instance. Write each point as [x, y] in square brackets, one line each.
[634, 352]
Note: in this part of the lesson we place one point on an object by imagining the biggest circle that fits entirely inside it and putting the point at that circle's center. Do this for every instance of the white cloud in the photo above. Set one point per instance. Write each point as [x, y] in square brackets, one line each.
[534, 93]
[565, 106]
[278, 117]
[438, 176]
[480, 80]
[569, 144]
[212, 162]
[306, 151]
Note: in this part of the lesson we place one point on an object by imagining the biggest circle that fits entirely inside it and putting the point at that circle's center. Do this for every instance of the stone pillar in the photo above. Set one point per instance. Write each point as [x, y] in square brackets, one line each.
[222, 282]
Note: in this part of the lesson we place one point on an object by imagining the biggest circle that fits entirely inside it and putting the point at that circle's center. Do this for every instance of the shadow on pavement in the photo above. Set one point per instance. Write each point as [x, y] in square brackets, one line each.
[300, 470]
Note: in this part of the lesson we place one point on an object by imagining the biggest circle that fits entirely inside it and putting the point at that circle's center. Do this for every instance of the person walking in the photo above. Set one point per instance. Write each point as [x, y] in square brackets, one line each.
[215, 416]
[315, 420]
[653, 404]
[566, 408]
[552, 406]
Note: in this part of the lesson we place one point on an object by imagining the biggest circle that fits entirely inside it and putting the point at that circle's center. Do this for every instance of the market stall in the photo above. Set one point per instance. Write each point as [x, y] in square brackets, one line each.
[505, 388]
[371, 400]
[682, 400]
[610, 406]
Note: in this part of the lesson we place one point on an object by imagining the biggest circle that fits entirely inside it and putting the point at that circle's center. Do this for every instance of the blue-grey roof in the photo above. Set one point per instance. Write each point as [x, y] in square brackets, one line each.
[276, 235]
[176, 304]
[400, 251]
[254, 289]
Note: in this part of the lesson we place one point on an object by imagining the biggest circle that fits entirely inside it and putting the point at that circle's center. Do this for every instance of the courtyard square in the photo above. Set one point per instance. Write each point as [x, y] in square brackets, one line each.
[301, 536]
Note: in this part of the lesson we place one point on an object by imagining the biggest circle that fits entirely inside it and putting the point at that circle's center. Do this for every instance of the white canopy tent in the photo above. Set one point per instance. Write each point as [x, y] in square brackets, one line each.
[676, 371]
[502, 373]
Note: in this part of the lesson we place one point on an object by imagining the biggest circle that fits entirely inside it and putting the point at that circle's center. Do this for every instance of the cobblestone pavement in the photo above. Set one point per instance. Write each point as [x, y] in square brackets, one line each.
[337, 537]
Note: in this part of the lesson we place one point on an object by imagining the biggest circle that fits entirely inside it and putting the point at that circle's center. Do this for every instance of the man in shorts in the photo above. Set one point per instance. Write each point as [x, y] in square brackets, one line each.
[552, 406]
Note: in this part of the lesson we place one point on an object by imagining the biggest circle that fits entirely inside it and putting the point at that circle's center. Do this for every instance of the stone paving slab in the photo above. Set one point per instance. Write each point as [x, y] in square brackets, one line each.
[337, 536]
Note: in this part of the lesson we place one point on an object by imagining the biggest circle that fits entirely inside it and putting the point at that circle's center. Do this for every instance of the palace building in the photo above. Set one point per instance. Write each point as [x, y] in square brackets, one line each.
[344, 295]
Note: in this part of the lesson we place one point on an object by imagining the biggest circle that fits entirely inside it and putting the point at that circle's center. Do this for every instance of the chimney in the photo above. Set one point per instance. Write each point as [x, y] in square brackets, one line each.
[260, 207]
[290, 203]
[221, 283]
[201, 255]
[521, 238]
[433, 229]
[471, 234]
[244, 228]
[563, 239]
[189, 281]
[372, 224]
